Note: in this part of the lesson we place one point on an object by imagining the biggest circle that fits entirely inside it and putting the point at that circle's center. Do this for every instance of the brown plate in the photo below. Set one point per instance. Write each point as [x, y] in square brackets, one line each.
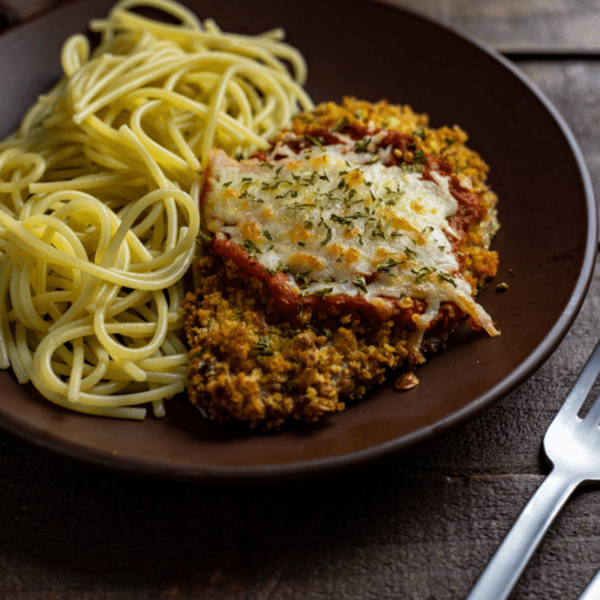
[547, 242]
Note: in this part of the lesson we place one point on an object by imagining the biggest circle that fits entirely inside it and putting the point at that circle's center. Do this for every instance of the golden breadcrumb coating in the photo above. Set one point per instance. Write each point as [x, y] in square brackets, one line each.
[249, 363]
[444, 142]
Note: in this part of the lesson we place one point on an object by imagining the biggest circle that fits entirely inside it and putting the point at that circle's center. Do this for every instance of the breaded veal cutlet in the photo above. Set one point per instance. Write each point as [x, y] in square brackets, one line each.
[317, 280]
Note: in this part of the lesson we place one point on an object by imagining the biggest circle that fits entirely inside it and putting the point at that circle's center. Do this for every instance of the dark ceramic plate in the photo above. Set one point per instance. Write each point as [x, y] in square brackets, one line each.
[547, 242]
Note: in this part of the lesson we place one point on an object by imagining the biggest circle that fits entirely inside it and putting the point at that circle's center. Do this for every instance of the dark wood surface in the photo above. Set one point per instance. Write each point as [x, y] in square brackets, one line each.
[531, 26]
[419, 527]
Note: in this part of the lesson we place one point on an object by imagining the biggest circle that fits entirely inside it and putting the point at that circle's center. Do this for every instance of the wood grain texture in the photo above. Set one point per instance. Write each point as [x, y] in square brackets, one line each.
[512, 26]
[419, 527]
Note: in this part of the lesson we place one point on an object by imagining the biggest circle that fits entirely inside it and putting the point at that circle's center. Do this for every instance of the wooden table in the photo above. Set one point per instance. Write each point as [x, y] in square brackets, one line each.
[419, 527]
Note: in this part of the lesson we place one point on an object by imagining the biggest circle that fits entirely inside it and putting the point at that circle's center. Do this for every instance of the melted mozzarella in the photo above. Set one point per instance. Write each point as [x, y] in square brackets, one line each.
[340, 222]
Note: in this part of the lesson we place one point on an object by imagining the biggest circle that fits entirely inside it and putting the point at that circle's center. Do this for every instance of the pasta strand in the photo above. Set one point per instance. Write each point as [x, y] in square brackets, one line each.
[99, 212]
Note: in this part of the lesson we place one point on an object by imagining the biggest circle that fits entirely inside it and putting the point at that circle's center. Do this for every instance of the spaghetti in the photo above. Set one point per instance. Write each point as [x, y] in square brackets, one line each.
[98, 209]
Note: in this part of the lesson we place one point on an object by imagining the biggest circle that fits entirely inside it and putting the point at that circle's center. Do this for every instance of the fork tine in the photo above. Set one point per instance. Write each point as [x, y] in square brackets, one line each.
[584, 384]
[593, 415]
[574, 460]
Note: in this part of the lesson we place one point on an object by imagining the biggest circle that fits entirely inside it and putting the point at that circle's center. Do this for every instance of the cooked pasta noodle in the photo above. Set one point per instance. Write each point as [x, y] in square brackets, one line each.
[98, 209]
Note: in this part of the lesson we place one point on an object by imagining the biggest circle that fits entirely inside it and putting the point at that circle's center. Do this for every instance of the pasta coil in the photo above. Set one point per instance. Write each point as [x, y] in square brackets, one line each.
[98, 199]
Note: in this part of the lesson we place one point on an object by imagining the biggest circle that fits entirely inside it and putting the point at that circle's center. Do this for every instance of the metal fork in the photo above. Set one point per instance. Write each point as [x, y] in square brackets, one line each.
[592, 591]
[572, 444]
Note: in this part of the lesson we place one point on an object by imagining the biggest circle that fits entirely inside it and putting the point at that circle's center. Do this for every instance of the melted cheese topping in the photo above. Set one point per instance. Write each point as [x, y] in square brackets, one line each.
[341, 222]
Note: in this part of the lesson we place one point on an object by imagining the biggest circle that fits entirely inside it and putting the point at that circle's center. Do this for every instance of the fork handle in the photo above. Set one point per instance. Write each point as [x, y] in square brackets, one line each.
[503, 571]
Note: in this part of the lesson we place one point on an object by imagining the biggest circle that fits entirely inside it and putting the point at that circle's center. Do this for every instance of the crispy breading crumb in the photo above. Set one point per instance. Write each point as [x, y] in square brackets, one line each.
[443, 142]
[249, 363]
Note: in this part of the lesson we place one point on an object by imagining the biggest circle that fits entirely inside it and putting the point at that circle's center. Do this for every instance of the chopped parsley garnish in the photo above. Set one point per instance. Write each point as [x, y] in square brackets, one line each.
[361, 283]
[341, 220]
[303, 279]
[457, 168]
[341, 124]
[410, 253]
[420, 133]
[362, 144]
[389, 264]
[251, 248]
[203, 238]
[316, 141]
[263, 346]
[323, 292]
[419, 157]
[447, 278]
[378, 230]
[422, 273]
[328, 235]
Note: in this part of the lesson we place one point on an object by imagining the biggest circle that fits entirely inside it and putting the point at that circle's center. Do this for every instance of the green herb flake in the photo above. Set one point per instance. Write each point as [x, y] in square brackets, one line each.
[447, 278]
[341, 124]
[389, 264]
[341, 220]
[203, 238]
[410, 253]
[361, 283]
[251, 248]
[303, 279]
[314, 140]
[420, 133]
[263, 346]
[422, 273]
[457, 168]
[362, 144]
[419, 157]
[328, 235]
[323, 292]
